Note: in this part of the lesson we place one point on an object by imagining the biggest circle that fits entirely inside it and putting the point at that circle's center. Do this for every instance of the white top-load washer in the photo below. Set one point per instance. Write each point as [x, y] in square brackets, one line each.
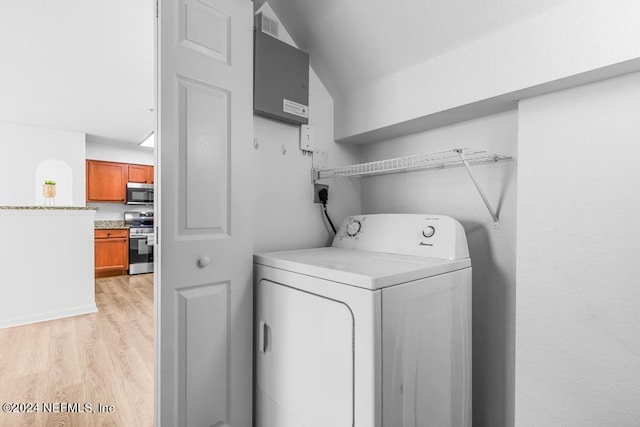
[374, 331]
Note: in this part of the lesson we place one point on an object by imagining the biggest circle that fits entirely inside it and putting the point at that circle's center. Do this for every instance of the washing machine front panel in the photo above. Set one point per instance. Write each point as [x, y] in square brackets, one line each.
[304, 359]
[366, 306]
[426, 352]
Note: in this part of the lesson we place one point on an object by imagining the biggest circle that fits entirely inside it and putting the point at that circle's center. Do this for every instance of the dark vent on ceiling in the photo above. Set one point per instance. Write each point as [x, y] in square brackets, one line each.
[267, 25]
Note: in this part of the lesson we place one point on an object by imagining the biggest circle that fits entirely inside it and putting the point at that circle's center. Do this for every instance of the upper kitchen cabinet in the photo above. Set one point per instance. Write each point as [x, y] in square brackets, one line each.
[106, 181]
[141, 173]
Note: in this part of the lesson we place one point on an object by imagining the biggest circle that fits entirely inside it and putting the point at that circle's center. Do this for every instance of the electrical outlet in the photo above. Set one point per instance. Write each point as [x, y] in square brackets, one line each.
[316, 190]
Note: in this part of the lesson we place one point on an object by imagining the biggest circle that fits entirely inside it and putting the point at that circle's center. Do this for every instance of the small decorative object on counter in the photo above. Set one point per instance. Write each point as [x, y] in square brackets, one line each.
[49, 192]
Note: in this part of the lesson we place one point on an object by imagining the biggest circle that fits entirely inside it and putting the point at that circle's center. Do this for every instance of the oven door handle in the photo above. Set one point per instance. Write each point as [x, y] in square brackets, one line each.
[139, 236]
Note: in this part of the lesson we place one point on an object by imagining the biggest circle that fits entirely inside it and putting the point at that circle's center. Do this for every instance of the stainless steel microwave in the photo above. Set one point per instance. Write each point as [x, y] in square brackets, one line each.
[139, 194]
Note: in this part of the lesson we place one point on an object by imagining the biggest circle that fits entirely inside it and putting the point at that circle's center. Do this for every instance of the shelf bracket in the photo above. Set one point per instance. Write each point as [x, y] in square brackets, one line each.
[494, 216]
[315, 175]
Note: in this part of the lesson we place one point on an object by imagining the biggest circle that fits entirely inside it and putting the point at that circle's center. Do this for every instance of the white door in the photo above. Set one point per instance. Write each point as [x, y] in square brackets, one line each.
[304, 359]
[204, 134]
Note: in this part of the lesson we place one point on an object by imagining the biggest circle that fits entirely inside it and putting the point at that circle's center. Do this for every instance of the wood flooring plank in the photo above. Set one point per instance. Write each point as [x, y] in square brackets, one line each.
[27, 389]
[32, 359]
[100, 358]
[7, 339]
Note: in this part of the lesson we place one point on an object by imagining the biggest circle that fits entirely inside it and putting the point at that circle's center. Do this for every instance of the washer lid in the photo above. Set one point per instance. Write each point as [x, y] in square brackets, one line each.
[369, 270]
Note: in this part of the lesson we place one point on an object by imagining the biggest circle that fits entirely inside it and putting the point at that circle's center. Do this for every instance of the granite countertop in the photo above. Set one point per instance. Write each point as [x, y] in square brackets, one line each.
[109, 224]
[48, 208]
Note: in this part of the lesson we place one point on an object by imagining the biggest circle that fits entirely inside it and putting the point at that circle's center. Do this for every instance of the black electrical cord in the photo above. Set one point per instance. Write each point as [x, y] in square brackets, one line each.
[323, 195]
[329, 219]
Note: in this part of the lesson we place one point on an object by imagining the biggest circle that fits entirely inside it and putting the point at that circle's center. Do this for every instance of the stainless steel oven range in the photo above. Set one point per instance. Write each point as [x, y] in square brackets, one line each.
[141, 241]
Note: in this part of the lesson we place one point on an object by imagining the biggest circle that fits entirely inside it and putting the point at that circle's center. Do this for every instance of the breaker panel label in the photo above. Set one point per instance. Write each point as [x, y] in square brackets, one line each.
[294, 108]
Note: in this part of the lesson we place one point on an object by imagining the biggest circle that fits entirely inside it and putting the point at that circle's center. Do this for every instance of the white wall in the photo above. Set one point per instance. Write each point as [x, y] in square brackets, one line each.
[451, 192]
[578, 275]
[46, 265]
[122, 154]
[574, 37]
[118, 153]
[285, 216]
[26, 147]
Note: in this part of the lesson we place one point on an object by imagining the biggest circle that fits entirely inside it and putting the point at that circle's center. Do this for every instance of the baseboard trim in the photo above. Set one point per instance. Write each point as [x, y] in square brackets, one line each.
[50, 315]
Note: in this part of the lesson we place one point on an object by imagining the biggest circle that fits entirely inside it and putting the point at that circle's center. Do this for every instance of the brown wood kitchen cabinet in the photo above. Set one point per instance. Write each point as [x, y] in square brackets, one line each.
[111, 252]
[141, 174]
[106, 181]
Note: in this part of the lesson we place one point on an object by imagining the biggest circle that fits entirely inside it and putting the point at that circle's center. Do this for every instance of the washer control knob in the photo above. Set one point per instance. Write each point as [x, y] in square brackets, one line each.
[428, 231]
[353, 228]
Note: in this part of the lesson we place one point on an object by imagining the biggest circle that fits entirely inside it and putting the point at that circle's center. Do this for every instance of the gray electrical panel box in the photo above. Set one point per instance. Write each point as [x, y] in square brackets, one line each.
[280, 80]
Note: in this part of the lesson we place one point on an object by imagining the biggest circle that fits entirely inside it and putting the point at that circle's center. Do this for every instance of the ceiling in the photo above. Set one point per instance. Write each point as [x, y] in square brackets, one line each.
[87, 65]
[79, 65]
[352, 42]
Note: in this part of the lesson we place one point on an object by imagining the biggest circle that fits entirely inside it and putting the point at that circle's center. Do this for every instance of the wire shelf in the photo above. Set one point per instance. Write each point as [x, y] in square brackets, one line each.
[437, 160]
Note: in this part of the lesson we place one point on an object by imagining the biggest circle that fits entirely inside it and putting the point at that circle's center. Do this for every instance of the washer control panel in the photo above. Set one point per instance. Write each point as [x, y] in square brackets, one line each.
[353, 228]
[434, 236]
[429, 231]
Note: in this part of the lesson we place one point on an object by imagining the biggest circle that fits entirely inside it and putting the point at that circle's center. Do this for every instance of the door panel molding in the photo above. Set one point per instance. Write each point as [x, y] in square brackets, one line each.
[204, 164]
[205, 30]
[203, 312]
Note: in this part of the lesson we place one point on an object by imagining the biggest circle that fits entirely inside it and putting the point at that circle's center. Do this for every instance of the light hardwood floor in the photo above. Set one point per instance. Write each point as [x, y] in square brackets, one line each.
[105, 357]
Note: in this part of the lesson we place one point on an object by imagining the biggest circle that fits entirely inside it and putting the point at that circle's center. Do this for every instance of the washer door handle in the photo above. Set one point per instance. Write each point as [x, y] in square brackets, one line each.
[265, 336]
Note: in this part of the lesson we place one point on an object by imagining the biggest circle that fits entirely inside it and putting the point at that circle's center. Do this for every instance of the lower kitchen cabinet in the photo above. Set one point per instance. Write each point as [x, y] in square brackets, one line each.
[111, 252]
